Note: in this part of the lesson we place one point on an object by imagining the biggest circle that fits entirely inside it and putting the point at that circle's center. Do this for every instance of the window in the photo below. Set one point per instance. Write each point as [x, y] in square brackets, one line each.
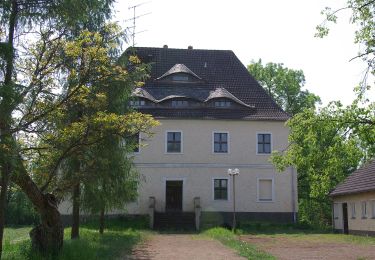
[352, 207]
[265, 190]
[364, 209]
[220, 143]
[180, 78]
[137, 103]
[174, 142]
[134, 143]
[373, 208]
[336, 211]
[264, 144]
[223, 103]
[179, 103]
[220, 189]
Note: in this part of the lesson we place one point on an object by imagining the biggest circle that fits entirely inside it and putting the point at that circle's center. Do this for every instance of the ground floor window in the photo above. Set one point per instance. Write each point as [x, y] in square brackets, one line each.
[220, 189]
[265, 190]
[364, 209]
[335, 210]
[373, 208]
[352, 207]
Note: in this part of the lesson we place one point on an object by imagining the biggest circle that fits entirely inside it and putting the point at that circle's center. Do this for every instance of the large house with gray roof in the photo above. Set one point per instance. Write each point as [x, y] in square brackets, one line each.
[354, 202]
[214, 117]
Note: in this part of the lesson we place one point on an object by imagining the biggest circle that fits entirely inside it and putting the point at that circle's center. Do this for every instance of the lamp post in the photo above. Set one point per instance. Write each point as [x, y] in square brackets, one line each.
[234, 173]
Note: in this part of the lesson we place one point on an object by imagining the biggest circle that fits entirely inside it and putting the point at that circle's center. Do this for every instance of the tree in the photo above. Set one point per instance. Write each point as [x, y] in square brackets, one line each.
[33, 141]
[325, 147]
[363, 16]
[284, 86]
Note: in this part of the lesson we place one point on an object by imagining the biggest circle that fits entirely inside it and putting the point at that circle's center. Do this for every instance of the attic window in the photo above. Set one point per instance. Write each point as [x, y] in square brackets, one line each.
[137, 103]
[180, 78]
[223, 103]
[179, 103]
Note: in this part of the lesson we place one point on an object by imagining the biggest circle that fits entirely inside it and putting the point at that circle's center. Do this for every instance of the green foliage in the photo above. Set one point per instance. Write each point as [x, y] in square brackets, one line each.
[284, 86]
[116, 242]
[325, 147]
[229, 239]
[20, 210]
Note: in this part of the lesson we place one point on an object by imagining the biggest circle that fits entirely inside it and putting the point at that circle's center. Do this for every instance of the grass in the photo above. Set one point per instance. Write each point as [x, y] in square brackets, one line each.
[287, 231]
[227, 238]
[118, 239]
[304, 233]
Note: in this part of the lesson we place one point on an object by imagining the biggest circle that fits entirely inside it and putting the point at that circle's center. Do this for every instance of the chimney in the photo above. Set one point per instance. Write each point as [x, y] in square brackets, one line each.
[165, 46]
[190, 47]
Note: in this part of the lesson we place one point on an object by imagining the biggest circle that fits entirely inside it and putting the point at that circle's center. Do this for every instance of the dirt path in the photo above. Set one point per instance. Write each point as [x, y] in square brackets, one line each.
[182, 247]
[298, 249]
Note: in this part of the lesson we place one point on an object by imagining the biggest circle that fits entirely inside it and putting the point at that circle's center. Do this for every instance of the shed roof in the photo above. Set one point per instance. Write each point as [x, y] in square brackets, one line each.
[361, 180]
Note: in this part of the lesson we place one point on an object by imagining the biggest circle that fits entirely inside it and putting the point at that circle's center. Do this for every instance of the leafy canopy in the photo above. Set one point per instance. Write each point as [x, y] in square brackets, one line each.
[284, 85]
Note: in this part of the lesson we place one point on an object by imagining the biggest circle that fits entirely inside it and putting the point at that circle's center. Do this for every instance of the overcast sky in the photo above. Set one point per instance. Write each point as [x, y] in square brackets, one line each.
[273, 30]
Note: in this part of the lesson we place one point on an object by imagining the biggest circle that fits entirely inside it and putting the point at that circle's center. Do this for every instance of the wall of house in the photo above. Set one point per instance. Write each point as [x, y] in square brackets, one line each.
[357, 224]
[197, 166]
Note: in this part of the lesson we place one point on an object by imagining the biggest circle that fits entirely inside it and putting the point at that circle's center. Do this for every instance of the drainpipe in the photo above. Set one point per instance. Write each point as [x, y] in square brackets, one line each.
[293, 197]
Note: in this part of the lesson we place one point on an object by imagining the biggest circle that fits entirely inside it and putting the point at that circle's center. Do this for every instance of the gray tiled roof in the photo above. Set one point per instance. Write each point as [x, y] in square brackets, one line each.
[361, 180]
[220, 75]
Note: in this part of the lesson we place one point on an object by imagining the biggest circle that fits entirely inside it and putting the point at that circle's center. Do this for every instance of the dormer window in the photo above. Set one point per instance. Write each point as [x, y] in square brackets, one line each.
[180, 78]
[179, 103]
[137, 103]
[223, 103]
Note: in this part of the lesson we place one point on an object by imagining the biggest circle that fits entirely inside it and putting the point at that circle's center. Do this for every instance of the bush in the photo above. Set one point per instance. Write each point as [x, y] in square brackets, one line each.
[19, 210]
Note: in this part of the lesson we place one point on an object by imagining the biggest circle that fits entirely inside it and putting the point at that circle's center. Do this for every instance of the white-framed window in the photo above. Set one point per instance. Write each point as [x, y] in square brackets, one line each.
[137, 103]
[264, 143]
[179, 103]
[352, 209]
[364, 209]
[265, 190]
[220, 188]
[220, 142]
[223, 103]
[373, 208]
[173, 141]
[336, 210]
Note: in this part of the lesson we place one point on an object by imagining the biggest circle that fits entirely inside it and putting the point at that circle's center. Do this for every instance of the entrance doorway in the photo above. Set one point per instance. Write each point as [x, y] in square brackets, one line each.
[173, 195]
[345, 218]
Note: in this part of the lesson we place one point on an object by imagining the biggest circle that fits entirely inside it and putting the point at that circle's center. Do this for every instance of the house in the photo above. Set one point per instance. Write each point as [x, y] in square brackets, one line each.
[214, 116]
[354, 202]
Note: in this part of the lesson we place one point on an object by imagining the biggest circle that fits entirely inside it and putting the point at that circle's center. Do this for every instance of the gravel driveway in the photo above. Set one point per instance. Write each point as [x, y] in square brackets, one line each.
[184, 247]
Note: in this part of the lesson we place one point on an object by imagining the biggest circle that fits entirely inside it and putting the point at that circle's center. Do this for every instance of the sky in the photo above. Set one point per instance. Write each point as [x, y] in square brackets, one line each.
[273, 30]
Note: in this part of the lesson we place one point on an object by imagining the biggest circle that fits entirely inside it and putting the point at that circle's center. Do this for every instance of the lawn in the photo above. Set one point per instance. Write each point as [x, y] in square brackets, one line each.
[271, 241]
[118, 239]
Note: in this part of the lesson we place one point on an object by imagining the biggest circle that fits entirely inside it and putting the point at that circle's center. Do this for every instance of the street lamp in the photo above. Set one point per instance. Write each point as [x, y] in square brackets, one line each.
[234, 173]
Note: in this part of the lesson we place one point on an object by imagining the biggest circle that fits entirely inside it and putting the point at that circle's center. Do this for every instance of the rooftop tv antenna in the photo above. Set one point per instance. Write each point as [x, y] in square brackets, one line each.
[135, 17]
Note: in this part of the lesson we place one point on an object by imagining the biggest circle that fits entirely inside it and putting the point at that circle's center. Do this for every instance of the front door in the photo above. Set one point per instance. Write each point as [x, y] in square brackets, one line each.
[173, 195]
[345, 217]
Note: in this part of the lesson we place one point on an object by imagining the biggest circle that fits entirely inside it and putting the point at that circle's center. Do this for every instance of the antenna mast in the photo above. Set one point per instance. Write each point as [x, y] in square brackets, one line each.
[133, 32]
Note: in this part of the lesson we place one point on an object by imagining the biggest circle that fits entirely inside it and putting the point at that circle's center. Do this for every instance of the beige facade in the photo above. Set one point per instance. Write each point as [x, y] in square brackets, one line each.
[360, 211]
[197, 166]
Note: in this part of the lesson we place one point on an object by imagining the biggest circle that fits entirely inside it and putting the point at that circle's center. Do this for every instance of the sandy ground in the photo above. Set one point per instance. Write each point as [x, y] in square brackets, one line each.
[184, 247]
[298, 249]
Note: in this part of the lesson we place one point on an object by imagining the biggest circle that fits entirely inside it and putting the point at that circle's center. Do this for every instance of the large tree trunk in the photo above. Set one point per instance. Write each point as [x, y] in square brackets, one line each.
[75, 224]
[49, 235]
[6, 110]
[3, 196]
[101, 220]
